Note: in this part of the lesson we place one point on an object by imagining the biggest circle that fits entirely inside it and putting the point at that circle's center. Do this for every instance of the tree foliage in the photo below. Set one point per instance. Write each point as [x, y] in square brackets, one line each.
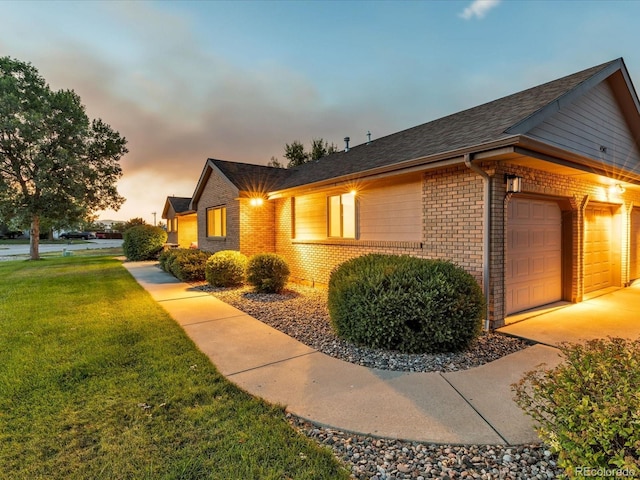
[55, 162]
[297, 156]
[132, 222]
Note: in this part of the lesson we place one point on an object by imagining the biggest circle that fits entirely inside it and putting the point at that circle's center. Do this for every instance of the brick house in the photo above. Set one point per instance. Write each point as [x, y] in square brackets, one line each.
[182, 223]
[536, 194]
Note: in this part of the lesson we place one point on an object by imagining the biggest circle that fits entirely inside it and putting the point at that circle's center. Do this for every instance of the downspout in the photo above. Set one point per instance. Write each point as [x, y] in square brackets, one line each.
[486, 233]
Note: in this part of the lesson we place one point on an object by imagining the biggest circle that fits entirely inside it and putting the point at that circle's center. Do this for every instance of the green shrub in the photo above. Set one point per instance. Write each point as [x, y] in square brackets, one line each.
[164, 257]
[588, 407]
[143, 242]
[187, 264]
[226, 268]
[267, 272]
[405, 303]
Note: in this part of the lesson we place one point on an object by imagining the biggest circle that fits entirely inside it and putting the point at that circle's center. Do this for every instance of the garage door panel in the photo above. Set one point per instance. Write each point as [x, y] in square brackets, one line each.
[534, 244]
[522, 268]
[597, 248]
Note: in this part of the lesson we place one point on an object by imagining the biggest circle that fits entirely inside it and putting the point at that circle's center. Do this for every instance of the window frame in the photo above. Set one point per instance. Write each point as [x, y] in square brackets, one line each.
[331, 215]
[221, 227]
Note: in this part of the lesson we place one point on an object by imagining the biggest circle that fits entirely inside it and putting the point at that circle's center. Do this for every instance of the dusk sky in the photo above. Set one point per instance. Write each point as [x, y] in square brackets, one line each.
[184, 81]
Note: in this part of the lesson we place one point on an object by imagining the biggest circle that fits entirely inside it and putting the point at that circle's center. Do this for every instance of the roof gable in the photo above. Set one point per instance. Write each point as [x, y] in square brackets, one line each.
[593, 125]
[242, 177]
[179, 205]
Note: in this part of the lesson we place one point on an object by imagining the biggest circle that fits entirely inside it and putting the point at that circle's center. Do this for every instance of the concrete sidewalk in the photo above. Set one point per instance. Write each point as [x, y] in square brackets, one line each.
[468, 407]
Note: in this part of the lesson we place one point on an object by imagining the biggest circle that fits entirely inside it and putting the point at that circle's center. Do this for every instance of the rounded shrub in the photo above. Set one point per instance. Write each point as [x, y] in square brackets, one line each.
[404, 303]
[588, 407]
[226, 268]
[187, 264]
[143, 242]
[267, 272]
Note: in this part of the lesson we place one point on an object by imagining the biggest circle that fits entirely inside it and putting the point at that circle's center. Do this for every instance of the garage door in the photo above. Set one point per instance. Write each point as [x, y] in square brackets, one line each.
[534, 254]
[597, 248]
[634, 254]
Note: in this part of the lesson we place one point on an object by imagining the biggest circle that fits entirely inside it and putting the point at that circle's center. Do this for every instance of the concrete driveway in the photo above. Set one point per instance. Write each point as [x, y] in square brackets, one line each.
[614, 314]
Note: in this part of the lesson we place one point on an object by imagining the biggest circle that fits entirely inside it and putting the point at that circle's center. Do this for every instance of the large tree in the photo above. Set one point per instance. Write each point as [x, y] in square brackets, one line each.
[55, 163]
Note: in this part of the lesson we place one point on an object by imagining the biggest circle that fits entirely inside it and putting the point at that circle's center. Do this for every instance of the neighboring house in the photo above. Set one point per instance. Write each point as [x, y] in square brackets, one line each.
[536, 194]
[182, 222]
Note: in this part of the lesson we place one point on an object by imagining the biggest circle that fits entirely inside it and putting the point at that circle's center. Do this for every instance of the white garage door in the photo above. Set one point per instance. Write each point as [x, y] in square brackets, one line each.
[634, 254]
[597, 248]
[534, 254]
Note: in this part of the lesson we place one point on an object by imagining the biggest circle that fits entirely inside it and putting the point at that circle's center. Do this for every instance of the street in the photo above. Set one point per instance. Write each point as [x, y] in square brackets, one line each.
[8, 252]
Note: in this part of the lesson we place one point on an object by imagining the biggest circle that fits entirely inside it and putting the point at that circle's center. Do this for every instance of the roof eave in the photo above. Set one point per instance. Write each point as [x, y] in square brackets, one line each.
[451, 157]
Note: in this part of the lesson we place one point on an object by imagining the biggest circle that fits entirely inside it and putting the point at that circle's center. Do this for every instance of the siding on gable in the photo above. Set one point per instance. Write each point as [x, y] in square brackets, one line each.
[592, 122]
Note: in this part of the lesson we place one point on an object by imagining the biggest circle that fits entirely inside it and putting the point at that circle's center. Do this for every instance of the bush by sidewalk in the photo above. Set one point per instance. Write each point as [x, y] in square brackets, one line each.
[588, 407]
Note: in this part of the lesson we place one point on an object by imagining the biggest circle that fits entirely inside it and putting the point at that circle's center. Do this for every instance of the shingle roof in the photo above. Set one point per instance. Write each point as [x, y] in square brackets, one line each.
[250, 177]
[488, 122]
[179, 204]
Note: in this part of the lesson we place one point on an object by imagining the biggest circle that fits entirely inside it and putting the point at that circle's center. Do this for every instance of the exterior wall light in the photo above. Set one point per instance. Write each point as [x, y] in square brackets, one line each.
[514, 183]
[616, 189]
[256, 201]
[353, 192]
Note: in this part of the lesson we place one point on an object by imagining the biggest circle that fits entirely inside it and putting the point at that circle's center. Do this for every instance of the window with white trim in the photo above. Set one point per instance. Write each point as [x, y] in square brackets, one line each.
[217, 222]
[341, 218]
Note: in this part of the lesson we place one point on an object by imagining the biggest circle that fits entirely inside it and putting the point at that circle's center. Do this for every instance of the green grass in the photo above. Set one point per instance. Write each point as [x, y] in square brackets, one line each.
[98, 382]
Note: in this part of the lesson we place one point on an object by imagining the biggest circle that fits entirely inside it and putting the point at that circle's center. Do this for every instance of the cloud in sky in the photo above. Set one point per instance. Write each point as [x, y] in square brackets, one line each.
[183, 81]
[479, 9]
[179, 102]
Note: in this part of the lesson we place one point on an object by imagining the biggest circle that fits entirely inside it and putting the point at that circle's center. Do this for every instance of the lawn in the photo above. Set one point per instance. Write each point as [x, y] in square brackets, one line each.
[97, 382]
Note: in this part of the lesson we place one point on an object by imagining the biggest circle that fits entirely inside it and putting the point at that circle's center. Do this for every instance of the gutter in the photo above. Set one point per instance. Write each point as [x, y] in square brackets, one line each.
[486, 233]
[447, 158]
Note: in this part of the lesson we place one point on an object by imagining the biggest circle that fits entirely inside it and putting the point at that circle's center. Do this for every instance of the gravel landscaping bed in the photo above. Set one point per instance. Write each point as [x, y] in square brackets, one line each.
[385, 459]
[301, 313]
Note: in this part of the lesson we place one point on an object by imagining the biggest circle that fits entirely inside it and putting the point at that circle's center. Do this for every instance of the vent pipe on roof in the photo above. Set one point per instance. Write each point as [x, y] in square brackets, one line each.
[368, 137]
[346, 144]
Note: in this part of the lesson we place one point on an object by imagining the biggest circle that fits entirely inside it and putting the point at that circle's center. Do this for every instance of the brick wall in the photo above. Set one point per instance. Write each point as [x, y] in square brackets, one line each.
[219, 192]
[257, 227]
[453, 217]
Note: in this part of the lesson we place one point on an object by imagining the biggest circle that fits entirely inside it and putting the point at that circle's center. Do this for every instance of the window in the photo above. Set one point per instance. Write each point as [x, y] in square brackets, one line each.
[217, 222]
[342, 216]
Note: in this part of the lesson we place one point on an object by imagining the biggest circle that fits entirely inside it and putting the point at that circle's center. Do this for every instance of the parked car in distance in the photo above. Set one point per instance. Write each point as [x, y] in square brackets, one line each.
[82, 235]
[11, 234]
